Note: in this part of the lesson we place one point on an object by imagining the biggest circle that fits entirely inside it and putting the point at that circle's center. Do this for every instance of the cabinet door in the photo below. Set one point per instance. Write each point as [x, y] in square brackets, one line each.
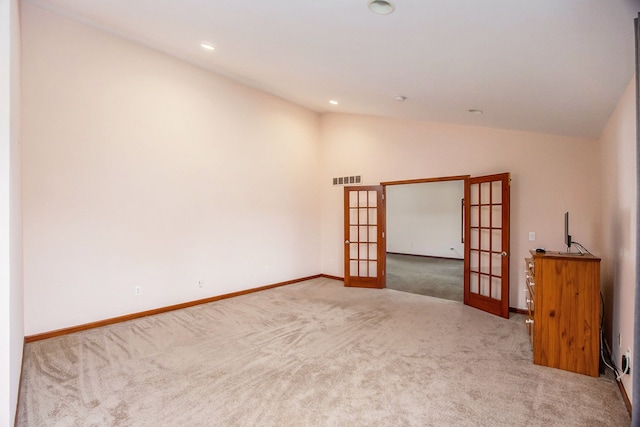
[567, 316]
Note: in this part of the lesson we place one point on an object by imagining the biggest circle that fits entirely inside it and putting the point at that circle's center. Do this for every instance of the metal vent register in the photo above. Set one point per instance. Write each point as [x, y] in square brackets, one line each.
[346, 180]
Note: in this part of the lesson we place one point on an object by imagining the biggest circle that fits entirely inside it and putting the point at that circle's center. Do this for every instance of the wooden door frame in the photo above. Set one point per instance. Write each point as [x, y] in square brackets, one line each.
[425, 180]
[464, 178]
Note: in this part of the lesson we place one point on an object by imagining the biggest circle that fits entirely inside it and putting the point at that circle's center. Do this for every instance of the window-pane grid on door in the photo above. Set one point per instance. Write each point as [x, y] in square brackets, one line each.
[363, 233]
[486, 228]
[485, 239]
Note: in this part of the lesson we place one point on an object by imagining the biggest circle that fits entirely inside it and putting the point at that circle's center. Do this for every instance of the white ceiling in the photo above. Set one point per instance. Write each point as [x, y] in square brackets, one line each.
[549, 66]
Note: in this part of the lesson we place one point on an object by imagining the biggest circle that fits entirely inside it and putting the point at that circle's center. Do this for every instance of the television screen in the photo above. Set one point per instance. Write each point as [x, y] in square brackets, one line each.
[567, 236]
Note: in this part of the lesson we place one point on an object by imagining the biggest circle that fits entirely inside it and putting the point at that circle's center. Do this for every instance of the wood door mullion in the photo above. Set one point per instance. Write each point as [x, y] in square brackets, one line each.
[490, 239]
[478, 232]
[506, 215]
[359, 235]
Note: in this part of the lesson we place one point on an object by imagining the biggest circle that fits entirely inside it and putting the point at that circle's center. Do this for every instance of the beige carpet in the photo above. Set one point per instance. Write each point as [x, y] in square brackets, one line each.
[435, 277]
[309, 354]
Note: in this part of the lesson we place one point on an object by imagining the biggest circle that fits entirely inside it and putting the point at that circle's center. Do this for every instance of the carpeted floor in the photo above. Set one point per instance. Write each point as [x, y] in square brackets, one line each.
[435, 277]
[310, 354]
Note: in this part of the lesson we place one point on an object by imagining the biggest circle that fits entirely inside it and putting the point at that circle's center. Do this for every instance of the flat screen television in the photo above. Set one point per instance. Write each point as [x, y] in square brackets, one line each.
[567, 236]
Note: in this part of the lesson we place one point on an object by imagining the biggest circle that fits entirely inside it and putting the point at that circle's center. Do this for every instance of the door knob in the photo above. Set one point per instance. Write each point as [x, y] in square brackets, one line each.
[504, 254]
[346, 242]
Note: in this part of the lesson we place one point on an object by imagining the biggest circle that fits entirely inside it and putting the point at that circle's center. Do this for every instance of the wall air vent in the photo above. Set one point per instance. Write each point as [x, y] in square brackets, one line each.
[347, 180]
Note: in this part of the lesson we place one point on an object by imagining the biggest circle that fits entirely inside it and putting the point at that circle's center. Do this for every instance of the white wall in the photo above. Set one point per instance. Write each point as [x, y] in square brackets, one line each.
[550, 175]
[425, 219]
[11, 292]
[142, 170]
[619, 208]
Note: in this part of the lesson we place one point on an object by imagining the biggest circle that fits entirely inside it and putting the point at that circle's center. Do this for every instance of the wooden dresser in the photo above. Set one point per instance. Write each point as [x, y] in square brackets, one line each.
[563, 301]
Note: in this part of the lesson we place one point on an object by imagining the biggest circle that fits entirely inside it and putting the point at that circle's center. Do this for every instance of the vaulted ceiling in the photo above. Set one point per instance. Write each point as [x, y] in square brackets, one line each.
[545, 66]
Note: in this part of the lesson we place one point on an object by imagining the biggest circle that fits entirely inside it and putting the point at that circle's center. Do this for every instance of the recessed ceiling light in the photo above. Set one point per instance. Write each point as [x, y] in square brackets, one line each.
[401, 98]
[333, 102]
[381, 7]
[475, 111]
[207, 46]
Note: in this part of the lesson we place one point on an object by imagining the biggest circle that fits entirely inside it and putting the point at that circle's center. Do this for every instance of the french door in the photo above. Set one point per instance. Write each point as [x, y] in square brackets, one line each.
[364, 239]
[486, 261]
[486, 240]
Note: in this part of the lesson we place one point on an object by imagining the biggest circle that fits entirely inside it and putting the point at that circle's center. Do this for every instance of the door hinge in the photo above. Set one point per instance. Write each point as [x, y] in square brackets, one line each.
[383, 234]
[383, 272]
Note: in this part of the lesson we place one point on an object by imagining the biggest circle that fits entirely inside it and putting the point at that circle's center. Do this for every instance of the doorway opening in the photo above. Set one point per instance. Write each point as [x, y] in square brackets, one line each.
[486, 238]
[425, 237]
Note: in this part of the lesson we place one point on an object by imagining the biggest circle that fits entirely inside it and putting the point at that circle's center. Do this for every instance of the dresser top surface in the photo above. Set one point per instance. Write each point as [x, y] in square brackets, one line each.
[564, 255]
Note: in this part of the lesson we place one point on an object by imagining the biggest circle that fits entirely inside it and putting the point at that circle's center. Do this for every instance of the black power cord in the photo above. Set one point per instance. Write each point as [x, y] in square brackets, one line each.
[613, 368]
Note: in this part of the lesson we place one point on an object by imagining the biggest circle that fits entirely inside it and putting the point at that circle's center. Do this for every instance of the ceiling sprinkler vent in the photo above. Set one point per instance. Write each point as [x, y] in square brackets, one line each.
[381, 7]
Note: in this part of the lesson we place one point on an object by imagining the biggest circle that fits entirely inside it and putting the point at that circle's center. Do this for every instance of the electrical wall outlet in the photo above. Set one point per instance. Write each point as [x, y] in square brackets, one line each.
[138, 290]
[200, 283]
[625, 367]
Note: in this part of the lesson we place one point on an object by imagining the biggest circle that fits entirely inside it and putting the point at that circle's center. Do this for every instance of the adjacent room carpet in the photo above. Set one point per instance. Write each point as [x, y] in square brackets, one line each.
[309, 354]
[435, 277]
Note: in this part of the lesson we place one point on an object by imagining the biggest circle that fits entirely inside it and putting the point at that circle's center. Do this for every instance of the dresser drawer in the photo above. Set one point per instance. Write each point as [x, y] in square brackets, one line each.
[529, 268]
[530, 295]
[530, 304]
